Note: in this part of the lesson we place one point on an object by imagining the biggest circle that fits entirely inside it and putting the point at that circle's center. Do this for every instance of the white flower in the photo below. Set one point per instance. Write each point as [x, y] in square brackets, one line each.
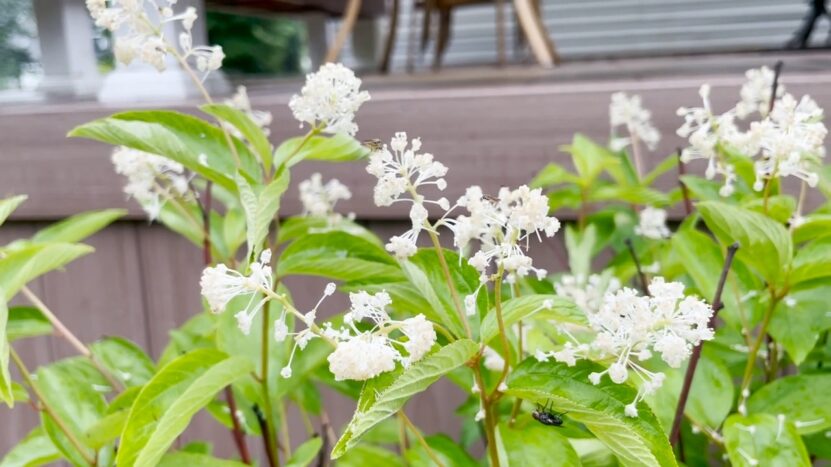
[151, 179]
[421, 337]
[629, 327]
[362, 357]
[401, 170]
[142, 35]
[791, 141]
[627, 111]
[319, 199]
[366, 305]
[586, 293]
[652, 223]
[329, 99]
[757, 91]
[501, 226]
[708, 132]
[285, 372]
[492, 360]
[220, 285]
[240, 101]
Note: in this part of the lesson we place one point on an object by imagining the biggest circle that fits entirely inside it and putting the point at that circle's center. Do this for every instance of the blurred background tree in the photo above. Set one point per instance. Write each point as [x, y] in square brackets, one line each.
[15, 32]
[254, 45]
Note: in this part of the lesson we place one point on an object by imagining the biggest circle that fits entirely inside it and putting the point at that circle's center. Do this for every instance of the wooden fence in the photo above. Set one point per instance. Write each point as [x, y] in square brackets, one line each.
[143, 280]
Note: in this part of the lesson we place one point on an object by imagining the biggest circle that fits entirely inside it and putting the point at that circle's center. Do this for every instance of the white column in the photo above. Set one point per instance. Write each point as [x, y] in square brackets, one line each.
[139, 82]
[67, 52]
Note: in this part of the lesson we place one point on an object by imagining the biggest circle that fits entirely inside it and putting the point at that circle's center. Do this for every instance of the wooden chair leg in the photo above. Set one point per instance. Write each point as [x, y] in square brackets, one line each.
[350, 16]
[535, 32]
[384, 67]
[443, 38]
[429, 6]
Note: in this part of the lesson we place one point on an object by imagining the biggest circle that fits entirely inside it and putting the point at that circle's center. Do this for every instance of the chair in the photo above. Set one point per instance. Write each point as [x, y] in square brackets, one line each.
[528, 13]
[348, 10]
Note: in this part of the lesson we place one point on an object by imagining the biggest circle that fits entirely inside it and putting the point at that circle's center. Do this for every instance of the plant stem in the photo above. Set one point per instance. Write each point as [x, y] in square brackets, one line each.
[403, 442]
[27, 378]
[446, 271]
[284, 429]
[518, 401]
[777, 70]
[236, 431]
[64, 332]
[675, 433]
[747, 378]
[268, 436]
[685, 192]
[490, 435]
[420, 438]
[503, 335]
[641, 275]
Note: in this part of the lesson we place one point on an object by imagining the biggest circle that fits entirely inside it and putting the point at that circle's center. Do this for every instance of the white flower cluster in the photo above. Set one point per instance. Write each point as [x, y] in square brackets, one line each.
[652, 223]
[787, 141]
[790, 141]
[401, 170]
[756, 92]
[142, 22]
[319, 199]
[586, 292]
[361, 355]
[630, 327]
[151, 180]
[241, 102]
[329, 100]
[220, 285]
[628, 111]
[500, 226]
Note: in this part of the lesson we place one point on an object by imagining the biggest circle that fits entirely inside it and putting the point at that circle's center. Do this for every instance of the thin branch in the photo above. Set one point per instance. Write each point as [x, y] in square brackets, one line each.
[64, 332]
[696, 353]
[777, 70]
[269, 450]
[641, 275]
[682, 170]
[27, 378]
[420, 439]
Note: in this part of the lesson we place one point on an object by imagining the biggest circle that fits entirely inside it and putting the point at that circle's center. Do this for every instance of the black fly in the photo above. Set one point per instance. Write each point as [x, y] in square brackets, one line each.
[544, 415]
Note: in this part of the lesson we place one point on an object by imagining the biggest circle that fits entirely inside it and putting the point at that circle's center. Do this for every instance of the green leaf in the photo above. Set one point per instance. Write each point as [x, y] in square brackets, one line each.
[530, 443]
[710, 399]
[669, 163]
[75, 390]
[365, 455]
[6, 394]
[338, 255]
[450, 453]
[779, 208]
[20, 266]
[553, 174]
[391, 398]
[426, 274]
[804, 399]
[25, 321]
[109, 427]
[8, 205]
[764, 243]
[178, 137]
[167, 402]
[296, 227]
[589, 158]
[812, 261]
[124, 359]
[247, 128]
[192, 459]
[636, 441]
[78, 227]
[33, 450]
[798, 321]
[629, 194]
[531, 307]
[580, 246]
[260, 209]
[814, 227]
[335, 148]
[770, 442]
[305, 453]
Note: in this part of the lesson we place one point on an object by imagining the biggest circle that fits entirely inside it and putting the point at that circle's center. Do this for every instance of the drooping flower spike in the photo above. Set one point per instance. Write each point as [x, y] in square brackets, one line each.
[220, 285]
[151, 180]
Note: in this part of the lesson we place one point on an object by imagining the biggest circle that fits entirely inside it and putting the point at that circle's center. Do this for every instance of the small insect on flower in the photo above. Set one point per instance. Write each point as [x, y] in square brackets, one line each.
[544, 415]
[373, 145]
